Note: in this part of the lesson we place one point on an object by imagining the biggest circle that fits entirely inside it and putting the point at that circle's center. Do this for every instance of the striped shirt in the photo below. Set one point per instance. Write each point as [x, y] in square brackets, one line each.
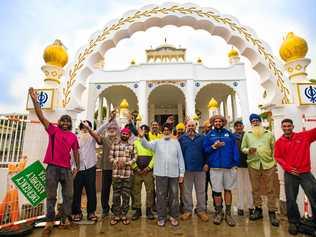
[122, 151]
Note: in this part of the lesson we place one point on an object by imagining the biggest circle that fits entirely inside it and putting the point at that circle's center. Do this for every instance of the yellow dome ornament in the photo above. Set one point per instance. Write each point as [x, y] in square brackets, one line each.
[293, 47]
[56, 54]
[212, 104]
[233, 53]
[124, 104]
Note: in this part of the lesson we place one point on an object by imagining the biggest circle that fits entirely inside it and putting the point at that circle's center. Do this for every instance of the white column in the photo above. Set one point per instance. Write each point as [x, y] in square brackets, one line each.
[108, 109]
[234, 106]
[152, 113]
[142, 101]
[189, 99]
[91, 103]
[243, 98]
[100, 110]
[225, 107]
[180, 113]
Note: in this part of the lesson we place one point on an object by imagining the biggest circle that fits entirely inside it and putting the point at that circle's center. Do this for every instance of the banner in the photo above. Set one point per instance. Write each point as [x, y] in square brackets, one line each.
[31, 182]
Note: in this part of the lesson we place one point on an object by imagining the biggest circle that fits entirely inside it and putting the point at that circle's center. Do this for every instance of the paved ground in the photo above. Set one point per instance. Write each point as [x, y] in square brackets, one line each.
[189, 228]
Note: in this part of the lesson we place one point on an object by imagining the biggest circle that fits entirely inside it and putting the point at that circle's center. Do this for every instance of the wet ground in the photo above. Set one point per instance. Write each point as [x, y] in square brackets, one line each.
[193, 227]
[190, 228]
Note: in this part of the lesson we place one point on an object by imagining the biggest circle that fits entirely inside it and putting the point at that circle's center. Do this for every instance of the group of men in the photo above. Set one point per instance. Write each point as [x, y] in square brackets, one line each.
[170, 164]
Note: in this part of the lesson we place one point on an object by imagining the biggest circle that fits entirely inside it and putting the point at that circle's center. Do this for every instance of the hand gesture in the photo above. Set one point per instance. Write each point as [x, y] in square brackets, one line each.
[33, 94]
[252, 150]
[112, 115]
[294, 172]
[86, 125]
[218, 144]
[141, 132]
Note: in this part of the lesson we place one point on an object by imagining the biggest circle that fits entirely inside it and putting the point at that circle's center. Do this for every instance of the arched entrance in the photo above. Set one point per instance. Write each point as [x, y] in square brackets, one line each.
[110, 98]
[166, 100]
[227, 99]
[227, 27]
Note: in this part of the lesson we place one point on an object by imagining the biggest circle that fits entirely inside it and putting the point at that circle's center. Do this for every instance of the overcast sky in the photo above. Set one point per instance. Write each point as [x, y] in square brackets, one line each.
[27, 27]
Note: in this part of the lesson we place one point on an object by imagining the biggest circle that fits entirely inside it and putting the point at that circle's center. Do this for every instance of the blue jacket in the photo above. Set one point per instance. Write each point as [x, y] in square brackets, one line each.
[226, 156]
[193, 152]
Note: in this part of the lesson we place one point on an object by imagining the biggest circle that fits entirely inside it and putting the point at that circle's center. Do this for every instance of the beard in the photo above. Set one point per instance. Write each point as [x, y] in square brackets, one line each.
[124, 139]
[257, 131]
[166, 137]
[83, 138]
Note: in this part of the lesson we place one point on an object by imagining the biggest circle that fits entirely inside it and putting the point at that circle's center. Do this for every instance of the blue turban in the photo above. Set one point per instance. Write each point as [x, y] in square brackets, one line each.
[254, 116]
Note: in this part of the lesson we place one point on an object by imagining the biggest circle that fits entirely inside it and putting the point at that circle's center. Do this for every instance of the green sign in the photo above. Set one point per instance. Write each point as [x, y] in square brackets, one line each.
[31, 182]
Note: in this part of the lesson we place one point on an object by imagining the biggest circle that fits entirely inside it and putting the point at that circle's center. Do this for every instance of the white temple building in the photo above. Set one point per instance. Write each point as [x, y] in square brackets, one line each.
[169, 85]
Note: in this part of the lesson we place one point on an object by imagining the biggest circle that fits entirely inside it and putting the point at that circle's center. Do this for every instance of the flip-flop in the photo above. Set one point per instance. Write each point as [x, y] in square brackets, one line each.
[125, 221]
[92, 217]
[115, 220]
[77, 218]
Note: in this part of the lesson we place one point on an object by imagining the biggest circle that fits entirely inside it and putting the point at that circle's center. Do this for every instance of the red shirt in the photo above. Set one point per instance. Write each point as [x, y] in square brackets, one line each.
[59, 146]
[294, 152]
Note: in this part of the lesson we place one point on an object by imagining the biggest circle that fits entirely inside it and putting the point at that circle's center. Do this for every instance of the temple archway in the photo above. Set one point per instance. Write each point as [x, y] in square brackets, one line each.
[171, 103]
[227, 27]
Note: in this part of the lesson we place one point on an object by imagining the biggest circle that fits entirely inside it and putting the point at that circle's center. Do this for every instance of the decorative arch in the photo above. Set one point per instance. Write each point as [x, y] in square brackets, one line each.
[209, 19]
[166, 97]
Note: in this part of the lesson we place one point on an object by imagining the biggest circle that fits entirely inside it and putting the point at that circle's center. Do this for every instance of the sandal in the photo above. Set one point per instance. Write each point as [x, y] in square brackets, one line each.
[125, 221]
[173, 221]
[92, 217]
[115, 220]
[77, 217]
[47, 231]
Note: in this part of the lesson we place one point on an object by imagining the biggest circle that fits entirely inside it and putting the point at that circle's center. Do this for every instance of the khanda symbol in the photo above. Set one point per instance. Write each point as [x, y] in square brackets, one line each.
[42, 98]
[310, 93]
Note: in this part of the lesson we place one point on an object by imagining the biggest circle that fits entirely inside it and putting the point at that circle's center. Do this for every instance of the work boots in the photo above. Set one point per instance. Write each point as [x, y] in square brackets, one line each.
[137, 214]
[149, 214]
[219, 215]
[273, 219]
[256, 214]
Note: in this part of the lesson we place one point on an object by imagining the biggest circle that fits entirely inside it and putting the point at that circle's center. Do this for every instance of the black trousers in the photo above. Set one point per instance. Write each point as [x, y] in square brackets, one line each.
[292, 183]
[106, 188]
[85, 179]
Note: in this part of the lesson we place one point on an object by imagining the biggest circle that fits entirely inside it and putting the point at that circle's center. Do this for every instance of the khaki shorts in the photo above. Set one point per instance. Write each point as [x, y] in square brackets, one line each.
[223, 179]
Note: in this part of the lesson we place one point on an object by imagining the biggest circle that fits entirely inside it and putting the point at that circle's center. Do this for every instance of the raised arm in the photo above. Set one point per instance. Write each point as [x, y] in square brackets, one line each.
[105, 125]
[93, 134]
[37, 108]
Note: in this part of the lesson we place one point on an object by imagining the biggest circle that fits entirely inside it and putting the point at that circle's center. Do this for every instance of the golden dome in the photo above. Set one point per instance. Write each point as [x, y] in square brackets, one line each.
[195, 117]
[212, 104]
[180, 126]
[124, 104]
[56, 54]
[233, 53]
[199, 60]
[139, 118]
[293, 47]
[133, 62]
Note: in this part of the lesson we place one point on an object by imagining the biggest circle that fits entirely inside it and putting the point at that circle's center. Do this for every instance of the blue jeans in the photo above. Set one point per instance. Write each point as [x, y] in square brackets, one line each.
[292, 183]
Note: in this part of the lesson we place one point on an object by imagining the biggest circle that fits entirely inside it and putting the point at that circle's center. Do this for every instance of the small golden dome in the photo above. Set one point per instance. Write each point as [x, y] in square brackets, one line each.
[180, 126]
[293, 47]
[212, 104]
[233, 53]
[139, 118]
[195, 117]
[56, 54]
[133, 62]
[124, 104]
[199, 60]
